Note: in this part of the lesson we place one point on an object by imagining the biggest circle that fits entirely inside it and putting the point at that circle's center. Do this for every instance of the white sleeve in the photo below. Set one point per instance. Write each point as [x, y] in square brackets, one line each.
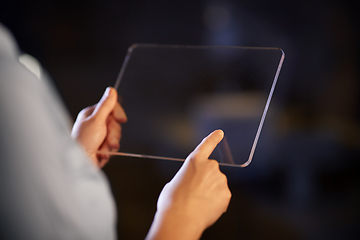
[49, 189]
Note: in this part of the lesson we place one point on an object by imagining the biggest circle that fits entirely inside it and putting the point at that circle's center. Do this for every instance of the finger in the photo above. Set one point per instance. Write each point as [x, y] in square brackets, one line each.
[207, 145]
[106, 104]
[86, 112]
[104, 148]
[103, 158]
[114, 132]
[111, 144]
[119, 113]
[103, 161]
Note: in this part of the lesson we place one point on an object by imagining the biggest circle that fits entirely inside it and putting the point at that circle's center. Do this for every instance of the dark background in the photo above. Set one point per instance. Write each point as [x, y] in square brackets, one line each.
[312, 189]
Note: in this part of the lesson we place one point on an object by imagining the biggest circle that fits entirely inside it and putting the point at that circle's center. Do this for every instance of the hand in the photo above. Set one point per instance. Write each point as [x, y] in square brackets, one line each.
[195, 198]
[98, 127]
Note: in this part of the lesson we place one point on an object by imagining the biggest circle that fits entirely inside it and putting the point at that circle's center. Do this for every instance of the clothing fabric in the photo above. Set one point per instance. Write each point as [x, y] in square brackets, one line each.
[49, 188]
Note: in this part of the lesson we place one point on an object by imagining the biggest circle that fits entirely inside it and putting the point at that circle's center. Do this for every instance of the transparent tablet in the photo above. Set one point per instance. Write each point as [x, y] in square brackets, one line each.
[174, 96]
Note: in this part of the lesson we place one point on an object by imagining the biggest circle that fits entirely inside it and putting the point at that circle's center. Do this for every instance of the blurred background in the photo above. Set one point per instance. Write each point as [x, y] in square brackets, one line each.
[310, 187]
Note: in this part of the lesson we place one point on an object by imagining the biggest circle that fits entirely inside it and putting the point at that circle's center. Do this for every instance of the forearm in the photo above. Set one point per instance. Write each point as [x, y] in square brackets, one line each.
[174, 225]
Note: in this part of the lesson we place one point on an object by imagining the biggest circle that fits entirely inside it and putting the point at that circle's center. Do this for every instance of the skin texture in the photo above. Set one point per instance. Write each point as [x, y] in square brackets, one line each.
[98, 127]
[191, 202]
[195, 198]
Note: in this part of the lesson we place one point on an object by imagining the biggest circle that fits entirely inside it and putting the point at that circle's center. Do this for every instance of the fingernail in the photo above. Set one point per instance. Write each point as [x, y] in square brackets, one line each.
[221, 132]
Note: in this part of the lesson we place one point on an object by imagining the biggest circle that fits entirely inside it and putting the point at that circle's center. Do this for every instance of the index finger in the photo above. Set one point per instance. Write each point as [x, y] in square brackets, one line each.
[207, 145]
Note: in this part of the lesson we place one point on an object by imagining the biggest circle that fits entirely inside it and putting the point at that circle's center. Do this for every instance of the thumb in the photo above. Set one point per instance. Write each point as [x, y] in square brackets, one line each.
[106, 104]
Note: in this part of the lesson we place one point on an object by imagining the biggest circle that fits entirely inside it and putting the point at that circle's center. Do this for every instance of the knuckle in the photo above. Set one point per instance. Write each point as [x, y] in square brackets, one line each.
[193, 160]
[229, 195]
[82, 113]
[223, 178]
[227, 192]
[86, 111]
[213, 165]
[194, 157]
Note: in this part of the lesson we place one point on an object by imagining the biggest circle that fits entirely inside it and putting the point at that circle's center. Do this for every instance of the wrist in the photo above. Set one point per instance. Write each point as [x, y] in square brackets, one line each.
[176, 225]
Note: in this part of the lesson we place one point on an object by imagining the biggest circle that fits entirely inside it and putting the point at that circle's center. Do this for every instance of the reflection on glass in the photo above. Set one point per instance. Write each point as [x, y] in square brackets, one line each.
[175, 95]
